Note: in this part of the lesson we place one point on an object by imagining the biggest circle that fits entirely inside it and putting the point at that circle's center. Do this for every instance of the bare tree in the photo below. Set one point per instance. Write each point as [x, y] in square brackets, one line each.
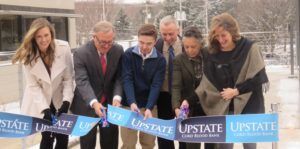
[92, 12]
[268, 16]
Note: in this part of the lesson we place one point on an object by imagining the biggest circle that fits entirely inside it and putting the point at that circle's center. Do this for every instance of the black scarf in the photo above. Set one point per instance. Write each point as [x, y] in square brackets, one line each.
[223, 72]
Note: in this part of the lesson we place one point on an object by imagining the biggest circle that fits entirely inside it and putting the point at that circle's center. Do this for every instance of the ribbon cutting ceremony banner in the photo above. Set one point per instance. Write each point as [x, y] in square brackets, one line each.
[17, 126]
[227, 128]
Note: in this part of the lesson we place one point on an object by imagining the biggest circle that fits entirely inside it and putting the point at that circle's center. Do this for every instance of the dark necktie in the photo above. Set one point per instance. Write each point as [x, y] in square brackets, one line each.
[170, 69]
[103, 65]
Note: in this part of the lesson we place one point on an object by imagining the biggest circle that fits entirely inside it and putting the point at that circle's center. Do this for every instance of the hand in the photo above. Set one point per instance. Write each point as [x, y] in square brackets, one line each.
[229, 93]
[147, 114]
[116, 103]
[185, 104]
[97, 106]
[47, 114]
[184, 109]
[177, 112]
[134, 108]
[64, 108]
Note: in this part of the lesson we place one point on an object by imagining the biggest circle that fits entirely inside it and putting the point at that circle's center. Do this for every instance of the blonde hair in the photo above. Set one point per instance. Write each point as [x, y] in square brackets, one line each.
[229, 24]
[28, 50]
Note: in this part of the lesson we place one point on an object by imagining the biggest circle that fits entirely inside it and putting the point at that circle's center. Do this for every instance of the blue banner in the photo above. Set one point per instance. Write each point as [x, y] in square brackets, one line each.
[227, 128]
[16, 126]
[157, 127]
[252, 128]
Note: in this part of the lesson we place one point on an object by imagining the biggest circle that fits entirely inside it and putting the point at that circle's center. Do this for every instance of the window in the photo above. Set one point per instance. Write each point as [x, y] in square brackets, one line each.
[13, 28]
[9, 39]
[60, 26]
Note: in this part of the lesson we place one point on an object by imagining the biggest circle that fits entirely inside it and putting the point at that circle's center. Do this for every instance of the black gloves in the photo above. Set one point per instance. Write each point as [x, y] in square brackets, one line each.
[64, 108]
[47, 114]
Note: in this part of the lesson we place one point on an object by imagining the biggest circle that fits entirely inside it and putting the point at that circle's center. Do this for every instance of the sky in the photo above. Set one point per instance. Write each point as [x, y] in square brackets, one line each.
[132, 1]
[137, 1]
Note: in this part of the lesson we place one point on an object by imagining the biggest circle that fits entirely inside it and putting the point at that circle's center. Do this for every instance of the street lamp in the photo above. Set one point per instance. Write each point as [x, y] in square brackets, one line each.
[206, 17]
[180, 16]
[148, 15]
[298, 37]
[103, 11]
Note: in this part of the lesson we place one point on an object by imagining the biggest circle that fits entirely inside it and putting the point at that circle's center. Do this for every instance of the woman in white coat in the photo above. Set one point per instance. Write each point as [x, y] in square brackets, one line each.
[48, 72]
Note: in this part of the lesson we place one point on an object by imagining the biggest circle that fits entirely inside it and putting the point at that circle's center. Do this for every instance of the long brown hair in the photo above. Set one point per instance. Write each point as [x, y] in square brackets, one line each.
[229, 24]
[28, 50]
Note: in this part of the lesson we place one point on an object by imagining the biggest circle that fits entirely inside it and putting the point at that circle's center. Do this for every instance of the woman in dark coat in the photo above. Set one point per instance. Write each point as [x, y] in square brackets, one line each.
[234, 75]
[187, 73]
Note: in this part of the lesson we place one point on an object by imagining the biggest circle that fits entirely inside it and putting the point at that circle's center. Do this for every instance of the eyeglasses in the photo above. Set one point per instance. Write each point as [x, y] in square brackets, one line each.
[103, 43]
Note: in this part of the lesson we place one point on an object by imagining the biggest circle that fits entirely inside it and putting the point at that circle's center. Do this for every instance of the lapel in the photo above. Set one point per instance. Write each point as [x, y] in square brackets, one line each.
[59, 64]
[109, 61]
[188, 65]
[95, 57]
[39, 70]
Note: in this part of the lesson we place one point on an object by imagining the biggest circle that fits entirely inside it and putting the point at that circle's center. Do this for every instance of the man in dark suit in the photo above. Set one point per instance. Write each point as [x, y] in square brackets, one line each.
[97, 67]
[169, 45]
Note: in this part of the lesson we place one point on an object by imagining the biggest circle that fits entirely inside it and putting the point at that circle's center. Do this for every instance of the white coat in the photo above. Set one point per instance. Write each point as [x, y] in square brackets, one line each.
[41, 89]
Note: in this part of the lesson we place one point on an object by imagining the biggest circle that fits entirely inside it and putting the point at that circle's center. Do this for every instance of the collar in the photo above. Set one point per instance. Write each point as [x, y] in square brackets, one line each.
[195, 59]
[176, 44]
[152, 54]
[102, 54]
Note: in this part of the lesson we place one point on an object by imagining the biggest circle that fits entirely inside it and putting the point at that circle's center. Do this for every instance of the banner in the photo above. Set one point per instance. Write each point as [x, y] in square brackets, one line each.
[17, 126]
[230, 128]
[157, 127]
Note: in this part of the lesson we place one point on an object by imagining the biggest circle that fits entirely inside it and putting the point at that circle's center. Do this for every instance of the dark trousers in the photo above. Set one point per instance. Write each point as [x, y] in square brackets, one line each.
[230, 146]
[164, 111]
[109, 138]
[48, 139]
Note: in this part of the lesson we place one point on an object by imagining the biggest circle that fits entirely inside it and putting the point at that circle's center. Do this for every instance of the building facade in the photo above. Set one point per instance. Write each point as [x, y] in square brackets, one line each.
[17, 15]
